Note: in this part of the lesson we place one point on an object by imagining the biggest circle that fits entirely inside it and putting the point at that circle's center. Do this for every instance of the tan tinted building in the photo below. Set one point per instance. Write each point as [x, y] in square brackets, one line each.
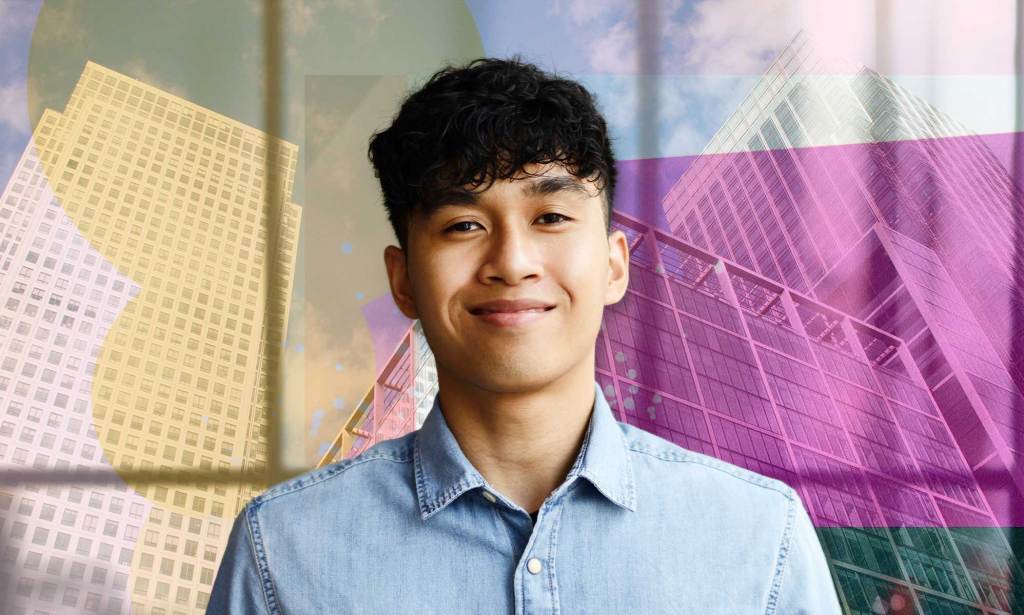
[169, 204]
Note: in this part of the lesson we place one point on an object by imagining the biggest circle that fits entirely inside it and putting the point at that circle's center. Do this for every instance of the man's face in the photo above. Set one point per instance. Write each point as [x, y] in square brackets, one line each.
[510, 284]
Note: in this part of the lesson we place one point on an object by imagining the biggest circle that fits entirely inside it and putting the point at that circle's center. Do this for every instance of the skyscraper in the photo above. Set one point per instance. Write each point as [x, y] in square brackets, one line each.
[396, 404]
[66, 547]
[726, 361]
[836, 182]
[135, 229]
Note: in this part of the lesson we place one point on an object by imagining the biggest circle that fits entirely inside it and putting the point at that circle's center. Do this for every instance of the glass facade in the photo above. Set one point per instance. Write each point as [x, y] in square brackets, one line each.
[396, 404]
[136, 336]
[899, 223]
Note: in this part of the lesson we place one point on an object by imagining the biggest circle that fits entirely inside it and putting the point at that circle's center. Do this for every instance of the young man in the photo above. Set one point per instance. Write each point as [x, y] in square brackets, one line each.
[521, 493]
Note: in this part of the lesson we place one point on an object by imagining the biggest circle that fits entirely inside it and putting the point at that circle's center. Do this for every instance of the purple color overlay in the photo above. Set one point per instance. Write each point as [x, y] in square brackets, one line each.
[842, 318]
[837, 317]
[387, 327]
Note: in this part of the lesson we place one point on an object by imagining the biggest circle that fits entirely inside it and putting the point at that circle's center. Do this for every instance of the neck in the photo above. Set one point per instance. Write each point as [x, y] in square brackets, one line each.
[523, 442]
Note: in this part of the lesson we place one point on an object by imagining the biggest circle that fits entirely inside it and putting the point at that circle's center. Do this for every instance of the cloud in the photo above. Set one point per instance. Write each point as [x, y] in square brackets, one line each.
[8, 160]
[732, 36]
[302, 16]
[675, 97]
[708, 36]
[59, 25]
[16, 18]
[910, 36]
[373, 10]
[14, 107]
[325, 346]
[617, 97]
[295, 114]
[139, 70]
[586, 12]
[683, 138]
[616, 50]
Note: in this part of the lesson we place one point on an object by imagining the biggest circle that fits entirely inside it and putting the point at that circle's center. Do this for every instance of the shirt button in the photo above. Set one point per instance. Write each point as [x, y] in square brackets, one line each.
[534, 565]
[489, 497]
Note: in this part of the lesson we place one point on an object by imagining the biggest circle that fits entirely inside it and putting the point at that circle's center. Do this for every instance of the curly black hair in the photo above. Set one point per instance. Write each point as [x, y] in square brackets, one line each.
[472, 125]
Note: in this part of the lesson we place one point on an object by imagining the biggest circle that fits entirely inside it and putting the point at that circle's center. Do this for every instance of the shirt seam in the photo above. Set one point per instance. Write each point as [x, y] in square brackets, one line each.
[630, 477]
[448, 495]
[577, 466]
[260, 555]
[417, 470]
[327, 474]
[782, 560]
[552, 580]
[623, 493]
[739, 473]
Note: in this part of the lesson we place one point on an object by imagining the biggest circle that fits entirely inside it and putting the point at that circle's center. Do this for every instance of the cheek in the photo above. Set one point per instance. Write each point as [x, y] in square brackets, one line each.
[435, 285]
[584, 273]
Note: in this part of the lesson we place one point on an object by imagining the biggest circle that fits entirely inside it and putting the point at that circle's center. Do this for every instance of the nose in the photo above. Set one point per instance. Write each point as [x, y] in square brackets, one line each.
[511, 257]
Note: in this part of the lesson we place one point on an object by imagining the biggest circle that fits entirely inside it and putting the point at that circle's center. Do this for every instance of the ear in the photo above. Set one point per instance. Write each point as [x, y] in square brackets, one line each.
[398, 279]
[618, 267]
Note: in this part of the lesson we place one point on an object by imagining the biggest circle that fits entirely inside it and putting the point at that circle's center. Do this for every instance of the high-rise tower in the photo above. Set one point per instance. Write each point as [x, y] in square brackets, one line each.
[396, 404]
[836, 182]
[135, 231]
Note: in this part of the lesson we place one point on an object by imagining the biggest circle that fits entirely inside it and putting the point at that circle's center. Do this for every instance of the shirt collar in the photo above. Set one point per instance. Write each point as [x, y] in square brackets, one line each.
[443, 472]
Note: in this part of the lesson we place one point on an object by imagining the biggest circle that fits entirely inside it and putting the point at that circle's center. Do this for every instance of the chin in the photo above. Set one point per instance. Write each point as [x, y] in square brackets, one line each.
[521, 374]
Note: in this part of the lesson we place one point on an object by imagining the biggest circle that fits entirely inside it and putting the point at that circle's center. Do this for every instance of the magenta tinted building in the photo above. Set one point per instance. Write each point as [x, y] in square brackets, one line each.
[910, 230]
[722, 360]
[857, 197]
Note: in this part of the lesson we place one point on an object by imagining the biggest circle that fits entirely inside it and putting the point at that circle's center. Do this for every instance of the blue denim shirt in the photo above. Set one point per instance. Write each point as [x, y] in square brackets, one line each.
[640, 525]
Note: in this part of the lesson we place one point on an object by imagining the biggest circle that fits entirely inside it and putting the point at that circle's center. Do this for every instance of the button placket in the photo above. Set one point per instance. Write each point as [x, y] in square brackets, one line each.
[535, 577]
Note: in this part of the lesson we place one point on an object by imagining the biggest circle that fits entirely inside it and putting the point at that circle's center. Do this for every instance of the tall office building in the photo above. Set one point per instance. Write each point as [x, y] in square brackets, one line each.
[137, 335]
[722, 360]
[396, 404]
[838, 183]
[65, 547]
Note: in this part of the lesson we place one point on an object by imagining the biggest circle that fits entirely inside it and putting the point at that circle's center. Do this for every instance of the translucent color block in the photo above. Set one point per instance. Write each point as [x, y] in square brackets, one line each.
[865, 594]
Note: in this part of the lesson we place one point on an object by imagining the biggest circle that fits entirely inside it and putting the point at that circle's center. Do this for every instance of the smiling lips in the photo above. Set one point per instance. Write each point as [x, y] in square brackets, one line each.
[511, 312]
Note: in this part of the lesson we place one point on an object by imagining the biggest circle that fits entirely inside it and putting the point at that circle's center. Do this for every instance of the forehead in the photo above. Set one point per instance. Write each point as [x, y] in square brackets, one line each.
[533, 181]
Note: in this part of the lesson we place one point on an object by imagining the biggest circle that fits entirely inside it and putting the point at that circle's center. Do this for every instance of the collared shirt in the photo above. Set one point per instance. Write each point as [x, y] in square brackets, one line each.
[639, 525]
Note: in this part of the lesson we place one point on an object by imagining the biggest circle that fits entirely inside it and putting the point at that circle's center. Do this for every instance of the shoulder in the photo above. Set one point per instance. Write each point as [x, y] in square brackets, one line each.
[666, 460]
[384, 463]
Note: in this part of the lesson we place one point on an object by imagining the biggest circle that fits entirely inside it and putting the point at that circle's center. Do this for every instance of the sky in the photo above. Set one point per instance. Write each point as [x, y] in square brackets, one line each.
[704, 56]
[17, 19]
[666, 80]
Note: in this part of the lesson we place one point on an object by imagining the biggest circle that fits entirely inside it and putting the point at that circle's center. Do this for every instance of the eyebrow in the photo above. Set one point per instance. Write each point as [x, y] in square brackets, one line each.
[551, 185]
[531, 188]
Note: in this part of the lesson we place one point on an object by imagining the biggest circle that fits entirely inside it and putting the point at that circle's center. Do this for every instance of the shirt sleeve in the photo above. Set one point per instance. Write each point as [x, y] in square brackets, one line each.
[806, 583]
[238, 587]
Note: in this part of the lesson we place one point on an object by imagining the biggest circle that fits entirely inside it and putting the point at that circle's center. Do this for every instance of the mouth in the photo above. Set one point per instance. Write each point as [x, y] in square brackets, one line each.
[511, 318]
[482, 311]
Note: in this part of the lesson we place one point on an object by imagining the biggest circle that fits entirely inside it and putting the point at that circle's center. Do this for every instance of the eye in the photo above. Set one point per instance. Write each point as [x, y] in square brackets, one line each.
[461, 227]
[554, 218]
